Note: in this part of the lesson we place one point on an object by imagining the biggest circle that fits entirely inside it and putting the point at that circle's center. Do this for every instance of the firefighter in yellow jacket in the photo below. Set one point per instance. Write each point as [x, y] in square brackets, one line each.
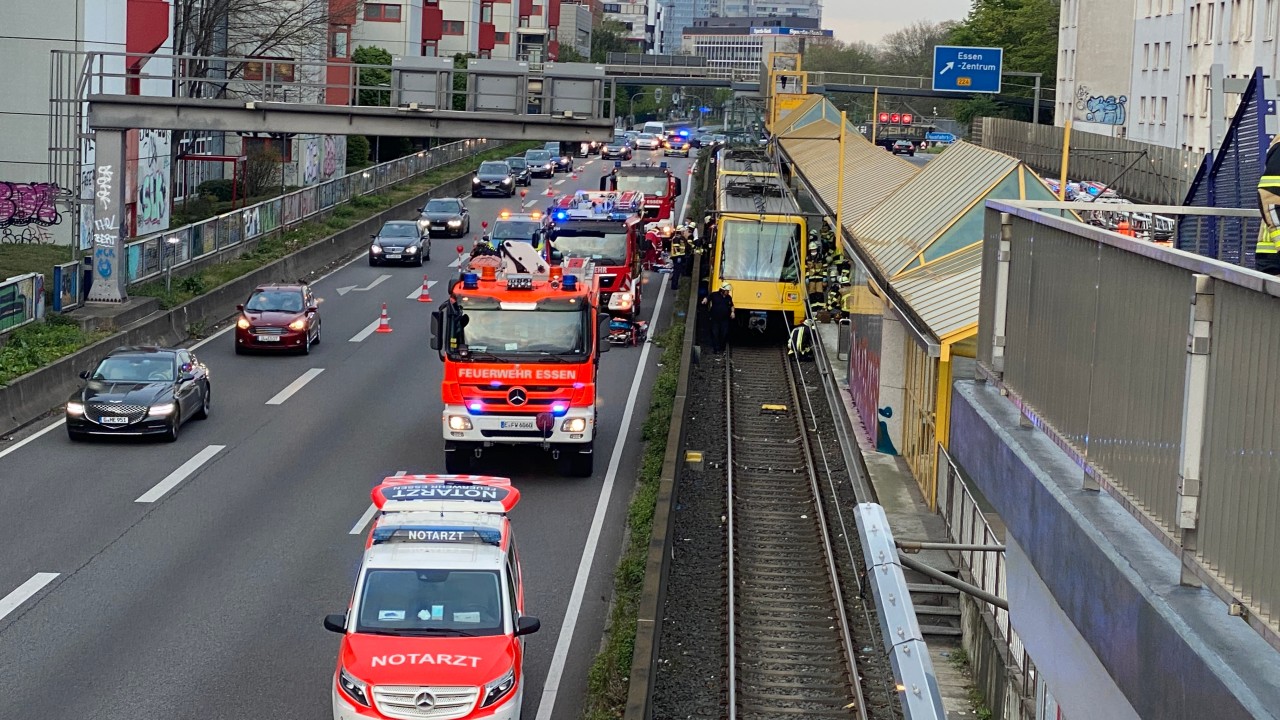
[1268, 250]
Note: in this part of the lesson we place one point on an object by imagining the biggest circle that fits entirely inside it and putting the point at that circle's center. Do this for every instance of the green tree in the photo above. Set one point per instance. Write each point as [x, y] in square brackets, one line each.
[855, 57]
[610, 36]
[1028, 32]
[570, 54]
[357, 152]
[373, 78]
[460, 80]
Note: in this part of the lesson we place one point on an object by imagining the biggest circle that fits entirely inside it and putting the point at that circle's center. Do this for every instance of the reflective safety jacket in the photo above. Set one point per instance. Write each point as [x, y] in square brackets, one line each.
[1269, 201]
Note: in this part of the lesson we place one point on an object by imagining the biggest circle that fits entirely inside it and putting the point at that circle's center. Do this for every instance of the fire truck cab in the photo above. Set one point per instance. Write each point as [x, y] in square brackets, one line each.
[604, 228]
[659, 185]
[521, 343]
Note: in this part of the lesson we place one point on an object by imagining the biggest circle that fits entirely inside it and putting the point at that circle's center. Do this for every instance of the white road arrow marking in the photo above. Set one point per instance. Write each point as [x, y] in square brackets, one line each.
[946, 67]
[367, 288]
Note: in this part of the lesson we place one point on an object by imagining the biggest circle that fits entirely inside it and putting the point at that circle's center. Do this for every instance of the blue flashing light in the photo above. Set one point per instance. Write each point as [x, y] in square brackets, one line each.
[475, 407]
[562, 215]
[495, 383]
[470, 281]
[579, 386]
[704, 109]
[559, 409]
[570, 282]
[684, 133]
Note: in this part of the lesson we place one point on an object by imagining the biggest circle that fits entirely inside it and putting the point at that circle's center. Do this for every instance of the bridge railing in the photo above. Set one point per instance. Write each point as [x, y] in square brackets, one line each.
[151, 256]
[1154, 369]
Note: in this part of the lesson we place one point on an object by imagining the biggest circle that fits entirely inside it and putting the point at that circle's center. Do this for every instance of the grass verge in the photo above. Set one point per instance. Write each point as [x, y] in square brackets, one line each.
[186, 286]
[610, 672]
[33, 346]
[20, 259]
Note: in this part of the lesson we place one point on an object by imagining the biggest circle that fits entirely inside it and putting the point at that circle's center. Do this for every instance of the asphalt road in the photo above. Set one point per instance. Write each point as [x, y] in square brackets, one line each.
[189, 580]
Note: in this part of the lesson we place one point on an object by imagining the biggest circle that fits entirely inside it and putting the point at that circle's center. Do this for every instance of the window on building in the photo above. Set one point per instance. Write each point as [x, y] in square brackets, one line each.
[1272, 19]
[537, 10]
[485, 55]
[339, 42]
[501, 37]
[453, 27]
[382, 12]
[524, 21]
[486, 12]
[1142, 110]
[1209, 34]
[1164, 110]
[1148, 4]
[430, 48]
[1146, 55]
[1193, 25]
[612, 7]
[1205, 98]
[1168, 54]
[1248, 20]
[552, 35]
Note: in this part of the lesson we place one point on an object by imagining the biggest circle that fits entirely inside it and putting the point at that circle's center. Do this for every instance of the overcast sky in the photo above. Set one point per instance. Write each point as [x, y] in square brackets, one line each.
[871, 20]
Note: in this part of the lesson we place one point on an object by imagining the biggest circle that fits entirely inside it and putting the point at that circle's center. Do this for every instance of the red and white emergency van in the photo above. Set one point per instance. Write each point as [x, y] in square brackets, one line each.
[435, 626]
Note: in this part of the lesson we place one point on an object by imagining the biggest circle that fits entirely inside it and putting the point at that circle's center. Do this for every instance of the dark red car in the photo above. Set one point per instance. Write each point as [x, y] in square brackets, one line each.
[279, 317]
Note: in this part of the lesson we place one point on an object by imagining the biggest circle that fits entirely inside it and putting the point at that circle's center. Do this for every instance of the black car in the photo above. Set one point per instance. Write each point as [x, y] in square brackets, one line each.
[703, 141]
[619, 148]
[493, 178]
[562, 160]
[399, 241]
[903, 146]
[139, 391]
[519, 170]
[540, 162]
[444, 217]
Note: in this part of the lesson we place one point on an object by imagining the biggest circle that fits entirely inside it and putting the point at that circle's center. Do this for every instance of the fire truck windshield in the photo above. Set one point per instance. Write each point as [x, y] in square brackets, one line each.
[515, 229]
[655, 185]
[605, 248]
[547, 328]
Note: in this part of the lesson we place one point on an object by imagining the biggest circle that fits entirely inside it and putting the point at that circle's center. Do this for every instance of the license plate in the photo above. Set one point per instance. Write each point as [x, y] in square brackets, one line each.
[393, 256]
[268, 338]
[115, 421]
[517, 425]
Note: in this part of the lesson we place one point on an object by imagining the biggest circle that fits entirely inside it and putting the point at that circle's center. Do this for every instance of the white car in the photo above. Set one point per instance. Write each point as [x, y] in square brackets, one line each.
[646, 141]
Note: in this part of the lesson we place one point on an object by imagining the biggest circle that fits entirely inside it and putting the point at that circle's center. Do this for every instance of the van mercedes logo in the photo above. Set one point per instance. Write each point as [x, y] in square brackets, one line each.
[517, 396]
[424, 700]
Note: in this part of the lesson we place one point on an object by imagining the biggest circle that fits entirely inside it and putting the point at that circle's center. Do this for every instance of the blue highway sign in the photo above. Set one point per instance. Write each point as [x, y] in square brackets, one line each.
[967, 69]
[940, 137]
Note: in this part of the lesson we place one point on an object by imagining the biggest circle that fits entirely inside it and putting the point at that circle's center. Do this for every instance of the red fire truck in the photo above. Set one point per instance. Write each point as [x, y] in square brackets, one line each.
[606, 229]
[660, 186]
[520, 352]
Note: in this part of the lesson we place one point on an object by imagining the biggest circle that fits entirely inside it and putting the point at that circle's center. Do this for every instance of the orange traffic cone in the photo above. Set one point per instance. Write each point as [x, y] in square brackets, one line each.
[550, 192]
[384, 323]
[425, 295]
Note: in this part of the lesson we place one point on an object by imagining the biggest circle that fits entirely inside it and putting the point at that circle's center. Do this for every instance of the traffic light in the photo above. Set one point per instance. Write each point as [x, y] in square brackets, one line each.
[657, 95]
[907, 118]
[884, 117]
[895, 118]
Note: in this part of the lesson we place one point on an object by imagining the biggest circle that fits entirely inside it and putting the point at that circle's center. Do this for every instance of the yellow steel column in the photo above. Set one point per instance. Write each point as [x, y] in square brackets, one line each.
[840, 185]
[1066, 155]
[875, 113]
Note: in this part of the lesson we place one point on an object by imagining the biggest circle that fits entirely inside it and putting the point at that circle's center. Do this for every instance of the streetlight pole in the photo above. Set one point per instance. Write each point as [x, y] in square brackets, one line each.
[170, 248]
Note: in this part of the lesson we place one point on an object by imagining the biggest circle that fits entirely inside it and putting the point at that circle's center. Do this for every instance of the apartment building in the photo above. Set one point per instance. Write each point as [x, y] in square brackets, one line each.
[527, 30]
[735, 46]
[634, 17]
[1143, 69]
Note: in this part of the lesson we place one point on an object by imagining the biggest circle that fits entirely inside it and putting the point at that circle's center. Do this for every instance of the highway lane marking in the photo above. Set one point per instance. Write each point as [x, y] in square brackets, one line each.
[551, 687]
[414, 295]
[187, 468]
[368, 514]
[529, 204]
[32, 437]
[295, 386]
[366, 288]
[23, 593]
[560, 181]
[456, 262]
[366, 332]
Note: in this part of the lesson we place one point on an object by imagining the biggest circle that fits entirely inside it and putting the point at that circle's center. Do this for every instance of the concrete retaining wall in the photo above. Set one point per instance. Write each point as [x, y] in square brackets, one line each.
[30, 396]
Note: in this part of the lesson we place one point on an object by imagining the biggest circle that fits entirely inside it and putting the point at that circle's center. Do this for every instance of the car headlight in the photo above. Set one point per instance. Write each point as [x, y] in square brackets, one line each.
[574, 425]
[459, 422]
[160, 410]
[299, 324]
[475, 181]
[506, 180]
[454, 223]
[375, 249]
[498, 689]
[411, 250]
[75, 408]
[620, 301]
[357, 690]
[243, 323]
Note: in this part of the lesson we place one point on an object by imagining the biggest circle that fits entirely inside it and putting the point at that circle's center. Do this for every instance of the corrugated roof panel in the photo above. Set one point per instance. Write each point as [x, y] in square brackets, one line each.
[802, 114]
[944, 293]
[871, 174]
[902, 226]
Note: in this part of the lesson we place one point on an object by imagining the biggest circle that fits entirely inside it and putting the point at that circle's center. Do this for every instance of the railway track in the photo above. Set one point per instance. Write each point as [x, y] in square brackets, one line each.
[790, 649]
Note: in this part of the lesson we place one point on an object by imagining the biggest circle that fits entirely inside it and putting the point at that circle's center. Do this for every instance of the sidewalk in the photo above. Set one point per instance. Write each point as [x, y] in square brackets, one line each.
[909, 519]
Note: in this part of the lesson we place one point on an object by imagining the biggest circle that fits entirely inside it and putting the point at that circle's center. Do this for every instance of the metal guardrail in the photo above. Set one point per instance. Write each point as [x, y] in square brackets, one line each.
[1152, 369]
[21, 301]
[151, 256]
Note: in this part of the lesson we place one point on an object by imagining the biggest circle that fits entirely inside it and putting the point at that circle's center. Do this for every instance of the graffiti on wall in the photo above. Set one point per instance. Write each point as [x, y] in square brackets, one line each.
[153, 181]
[1104, 109]
[106, 226]
[335, 156]
[311, 160]
[28, 204]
